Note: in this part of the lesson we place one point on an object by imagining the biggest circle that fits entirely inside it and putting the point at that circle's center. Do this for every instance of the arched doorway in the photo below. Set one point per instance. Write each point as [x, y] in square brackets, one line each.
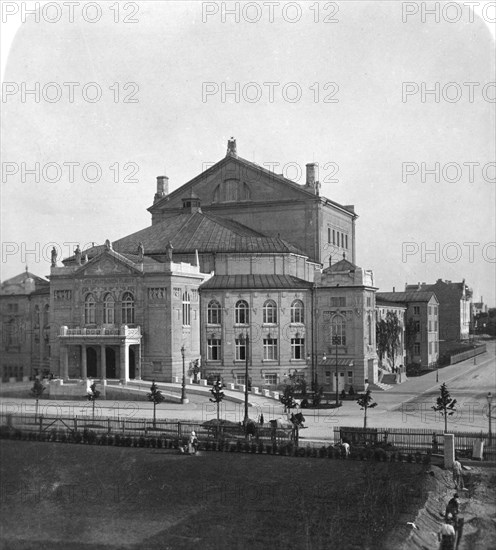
[91, 362]
[110, 362]
[132, 364]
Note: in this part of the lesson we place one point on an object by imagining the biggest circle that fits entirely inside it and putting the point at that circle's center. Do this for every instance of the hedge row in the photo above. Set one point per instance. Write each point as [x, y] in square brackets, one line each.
[90, 437]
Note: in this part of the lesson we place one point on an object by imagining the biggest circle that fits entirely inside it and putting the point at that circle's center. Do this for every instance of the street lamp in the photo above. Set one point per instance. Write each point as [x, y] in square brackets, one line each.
[246, 340]
[335, 343]
[184, 400]
[489, 403]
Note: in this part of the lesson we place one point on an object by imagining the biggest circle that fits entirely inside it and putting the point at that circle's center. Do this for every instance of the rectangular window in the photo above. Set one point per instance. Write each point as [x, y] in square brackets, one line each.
[350, 377]
[333, 236]
[328, 234]
[337, 237]
[338, 301]
[328, 376]
[369, 301]
[240, 350]
[271, 379]
[416, 310]
[297, 348]
[417, 326]
[430, 310]
[240, 379]
[13, 308]
[430, 348]
[416, 348]
[430, 326]
[270, 349]
[435, 325]
[213, 349]
[346, 241]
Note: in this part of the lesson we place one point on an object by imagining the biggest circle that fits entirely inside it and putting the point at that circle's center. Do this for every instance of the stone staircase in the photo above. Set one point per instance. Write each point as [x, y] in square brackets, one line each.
[380, 386]
[389, 379]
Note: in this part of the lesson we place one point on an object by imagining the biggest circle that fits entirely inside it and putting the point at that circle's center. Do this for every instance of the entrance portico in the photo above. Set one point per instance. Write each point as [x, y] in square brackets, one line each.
[101, 352]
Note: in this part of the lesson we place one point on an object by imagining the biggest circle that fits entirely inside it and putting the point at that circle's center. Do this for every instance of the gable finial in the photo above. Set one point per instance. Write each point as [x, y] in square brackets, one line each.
[77, 254]
[108, 244]
[231, 148]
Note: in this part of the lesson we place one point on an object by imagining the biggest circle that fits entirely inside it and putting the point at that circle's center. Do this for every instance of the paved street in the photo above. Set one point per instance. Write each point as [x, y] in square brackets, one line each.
[406, 405]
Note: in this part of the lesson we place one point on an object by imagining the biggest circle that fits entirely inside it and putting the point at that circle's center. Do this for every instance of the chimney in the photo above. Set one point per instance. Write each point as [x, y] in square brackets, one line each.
[311, 180]
[162, 188]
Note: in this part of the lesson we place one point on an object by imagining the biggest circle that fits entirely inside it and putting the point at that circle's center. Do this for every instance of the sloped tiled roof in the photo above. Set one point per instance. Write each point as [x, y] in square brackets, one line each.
[342, 265]
[261, 282]
[15, 285]
[188, 232]
[409, 296]
[305, 191]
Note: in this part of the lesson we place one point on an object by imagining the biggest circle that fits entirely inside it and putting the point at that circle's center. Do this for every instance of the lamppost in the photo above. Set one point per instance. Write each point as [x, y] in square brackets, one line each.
[335, 344]
[183, 386]
[314, 357]
[246, 340]
[489, 403]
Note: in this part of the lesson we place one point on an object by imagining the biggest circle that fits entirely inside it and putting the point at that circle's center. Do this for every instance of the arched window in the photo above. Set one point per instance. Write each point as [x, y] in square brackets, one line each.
[127, 309]
[297, 312]
[89, 310]
[270, 312]
[241, 313]
[369, 329]
[214, 313]
[186, 309]
[338, 331]
[108, 309]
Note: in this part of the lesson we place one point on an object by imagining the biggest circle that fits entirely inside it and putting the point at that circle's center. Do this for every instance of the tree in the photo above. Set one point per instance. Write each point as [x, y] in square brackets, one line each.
[317, 393]
[445, 405]
[156, 397]
[37, 391]
[92, 395]
[381, 339]
[217, 395]
[287, 397]
[393, 328]
[410, 337]
[365, 402]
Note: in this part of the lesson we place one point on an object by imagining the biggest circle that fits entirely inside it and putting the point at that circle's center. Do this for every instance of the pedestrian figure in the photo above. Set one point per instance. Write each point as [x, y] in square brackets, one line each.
[446, 535]
[345, 447]
[261, 420]
[453, 507]
[192, 443]
[457, 474]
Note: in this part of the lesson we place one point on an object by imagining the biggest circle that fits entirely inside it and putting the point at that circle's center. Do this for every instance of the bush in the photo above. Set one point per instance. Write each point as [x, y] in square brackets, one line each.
[261, 447]
[128, 441]
[308, 451]
[110, 440]
[153, 442]
[426, 459]
[63, 438]
[380, 455]
[141, 441]
[322, 452]
[78, 437]
[104, 439]
[253, 448]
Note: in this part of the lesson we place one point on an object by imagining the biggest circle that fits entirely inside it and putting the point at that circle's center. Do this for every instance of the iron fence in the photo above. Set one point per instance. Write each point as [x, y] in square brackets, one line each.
[414, 440]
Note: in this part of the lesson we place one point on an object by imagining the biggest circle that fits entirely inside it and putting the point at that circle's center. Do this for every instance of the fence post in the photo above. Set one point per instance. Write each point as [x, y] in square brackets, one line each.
[108, 425]
[179, 430]
[145, 426]
[75, 424]
[41, 423]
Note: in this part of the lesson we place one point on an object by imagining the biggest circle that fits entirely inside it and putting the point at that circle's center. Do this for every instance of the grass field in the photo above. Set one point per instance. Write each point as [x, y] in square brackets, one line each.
[66, 496]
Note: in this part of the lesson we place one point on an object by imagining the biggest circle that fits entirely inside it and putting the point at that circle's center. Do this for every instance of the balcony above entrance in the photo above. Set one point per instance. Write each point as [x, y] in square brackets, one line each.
[103, 334]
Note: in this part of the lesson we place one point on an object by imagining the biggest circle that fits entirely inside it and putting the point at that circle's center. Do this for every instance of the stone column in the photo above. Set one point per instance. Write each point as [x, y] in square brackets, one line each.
[124, 363]
[137, 370]
[84, 373]
[64, 362]
[103, 368]
[449, 451]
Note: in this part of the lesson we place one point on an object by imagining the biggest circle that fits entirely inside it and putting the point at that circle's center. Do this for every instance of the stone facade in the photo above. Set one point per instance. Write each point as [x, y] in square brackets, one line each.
[345, 327]
[121, 318]
[25, 326]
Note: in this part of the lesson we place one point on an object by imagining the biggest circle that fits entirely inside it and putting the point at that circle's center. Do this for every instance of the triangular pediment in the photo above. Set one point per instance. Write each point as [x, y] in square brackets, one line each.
[107, 263]
[235, 180]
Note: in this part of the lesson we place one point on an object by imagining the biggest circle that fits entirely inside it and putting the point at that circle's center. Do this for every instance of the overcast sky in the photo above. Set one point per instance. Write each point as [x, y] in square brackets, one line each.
[381, 133]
